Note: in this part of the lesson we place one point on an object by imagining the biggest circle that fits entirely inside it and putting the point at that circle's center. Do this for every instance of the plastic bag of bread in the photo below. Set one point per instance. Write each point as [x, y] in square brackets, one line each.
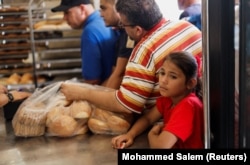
[104, 121]
[66, 121]
[107, 122]
[30, 118]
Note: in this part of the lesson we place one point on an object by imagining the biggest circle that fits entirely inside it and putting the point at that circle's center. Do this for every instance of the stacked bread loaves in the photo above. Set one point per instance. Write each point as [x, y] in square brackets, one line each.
[65, 121]
[29, 120]
[26, 78]
[14, 78]
[106, 122]
[54, 22]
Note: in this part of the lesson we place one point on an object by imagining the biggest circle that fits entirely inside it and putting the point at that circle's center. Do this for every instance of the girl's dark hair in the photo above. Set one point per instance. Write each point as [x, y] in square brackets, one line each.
[144, 13]
[189, 66]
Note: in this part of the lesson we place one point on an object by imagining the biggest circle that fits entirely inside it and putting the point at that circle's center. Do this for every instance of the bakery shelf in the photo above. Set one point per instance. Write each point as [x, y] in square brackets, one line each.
[62, 72]
[60, 50]
[8, 72]
[52, 51]
[58, 64]
[22, 87]
[58, 55]
[14, 40]
[13, 57]
[15, 65]
[13, 13]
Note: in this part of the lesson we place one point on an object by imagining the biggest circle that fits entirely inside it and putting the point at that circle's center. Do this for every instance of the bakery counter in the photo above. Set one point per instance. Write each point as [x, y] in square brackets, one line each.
[86, 149]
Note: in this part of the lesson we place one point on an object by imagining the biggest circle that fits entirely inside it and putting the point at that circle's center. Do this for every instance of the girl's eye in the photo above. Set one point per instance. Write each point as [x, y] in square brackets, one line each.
[161, 73]
[173, 77]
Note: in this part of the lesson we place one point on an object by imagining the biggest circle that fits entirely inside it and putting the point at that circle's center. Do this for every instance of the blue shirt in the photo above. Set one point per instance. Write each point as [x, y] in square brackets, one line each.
[192, 10]
[193, 14]
[97, 48]
[196, 20]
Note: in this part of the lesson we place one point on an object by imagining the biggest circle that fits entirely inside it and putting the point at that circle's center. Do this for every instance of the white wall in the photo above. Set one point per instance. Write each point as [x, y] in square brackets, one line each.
[169, 9]
[96, 4]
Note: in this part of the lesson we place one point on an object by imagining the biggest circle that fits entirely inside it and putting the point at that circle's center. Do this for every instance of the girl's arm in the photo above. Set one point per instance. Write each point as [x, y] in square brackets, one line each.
[161, 139]
[124, 141]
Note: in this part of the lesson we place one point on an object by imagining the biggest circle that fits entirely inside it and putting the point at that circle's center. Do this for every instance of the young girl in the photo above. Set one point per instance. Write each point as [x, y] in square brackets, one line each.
[180, 107]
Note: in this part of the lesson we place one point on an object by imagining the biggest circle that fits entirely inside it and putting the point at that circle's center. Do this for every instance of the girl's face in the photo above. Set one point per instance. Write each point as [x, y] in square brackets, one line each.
[172, 81]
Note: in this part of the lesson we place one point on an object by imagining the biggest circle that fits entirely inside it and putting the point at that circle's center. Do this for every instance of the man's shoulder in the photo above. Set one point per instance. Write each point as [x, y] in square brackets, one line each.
[178, 25]
[97, 24]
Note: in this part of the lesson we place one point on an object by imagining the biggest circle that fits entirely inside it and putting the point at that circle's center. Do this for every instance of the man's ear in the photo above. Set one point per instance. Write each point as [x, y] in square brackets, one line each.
[192, 83]
[139, 31]
[83, 8]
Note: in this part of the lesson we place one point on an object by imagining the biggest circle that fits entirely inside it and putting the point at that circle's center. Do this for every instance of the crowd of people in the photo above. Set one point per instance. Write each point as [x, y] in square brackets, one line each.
[124, 45]
[97, 40]
[155, 38]
[153, 64]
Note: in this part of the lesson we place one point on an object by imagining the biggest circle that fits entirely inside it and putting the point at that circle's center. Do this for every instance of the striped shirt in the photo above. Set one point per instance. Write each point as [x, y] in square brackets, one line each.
[139, 88]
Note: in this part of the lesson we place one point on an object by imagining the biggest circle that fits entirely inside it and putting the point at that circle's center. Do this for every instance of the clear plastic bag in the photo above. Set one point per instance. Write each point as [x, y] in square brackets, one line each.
[103, 121]
[34, 116]
[30, 117]
[66, 121]
[107, 122]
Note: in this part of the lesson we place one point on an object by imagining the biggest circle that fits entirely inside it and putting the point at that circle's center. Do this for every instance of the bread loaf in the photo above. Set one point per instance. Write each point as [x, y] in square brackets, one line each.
[63, 103]
[29, 121]
[118, 125]
[101, 114]
[27, 78]
[62, 125]
[39, 24]
[80, 109]
[41, 79]
[31, 117]
[66, 119]
[14, 79]
[13, 9]
[107, 122]
[50, 24]
[81, 130]
[98, 126]
[28, 130]
[52, 114]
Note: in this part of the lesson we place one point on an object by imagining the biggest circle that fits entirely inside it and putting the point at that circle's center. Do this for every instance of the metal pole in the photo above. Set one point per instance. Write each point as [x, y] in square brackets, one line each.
[205, 63]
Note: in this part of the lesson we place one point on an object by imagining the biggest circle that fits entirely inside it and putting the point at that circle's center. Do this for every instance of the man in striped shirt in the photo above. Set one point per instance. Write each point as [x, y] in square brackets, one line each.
[155, 37]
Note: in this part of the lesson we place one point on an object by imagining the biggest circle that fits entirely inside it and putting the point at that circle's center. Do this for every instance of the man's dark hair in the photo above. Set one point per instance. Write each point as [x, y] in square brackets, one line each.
[144, 13]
